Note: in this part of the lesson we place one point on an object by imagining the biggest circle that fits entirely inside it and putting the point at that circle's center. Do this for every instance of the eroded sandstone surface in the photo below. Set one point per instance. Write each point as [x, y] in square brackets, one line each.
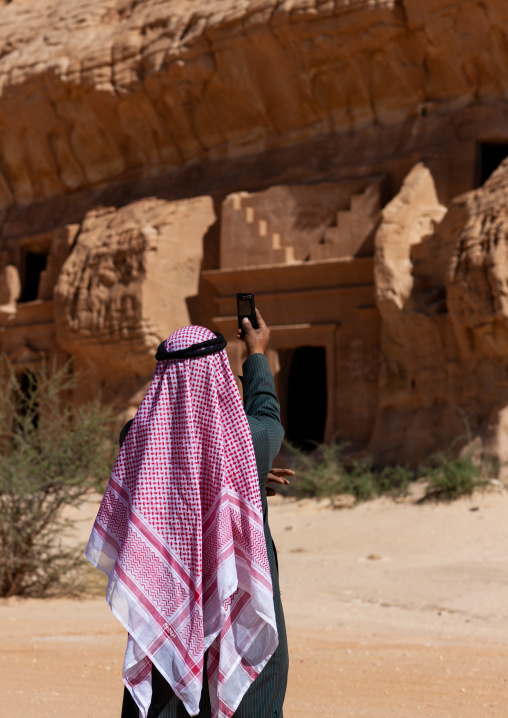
[94, 93]
[441, 286]
[122, 287]
[158, 156]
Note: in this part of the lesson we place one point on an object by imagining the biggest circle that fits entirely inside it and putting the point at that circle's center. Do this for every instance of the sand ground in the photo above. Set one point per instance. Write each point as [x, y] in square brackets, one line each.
[394, 610]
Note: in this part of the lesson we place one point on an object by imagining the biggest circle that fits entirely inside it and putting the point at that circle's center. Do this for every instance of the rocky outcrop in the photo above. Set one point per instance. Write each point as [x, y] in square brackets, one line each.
[157, 156]
[441, 292]
[125, 284]
[123, 88]
[476, 287]
[10, 288]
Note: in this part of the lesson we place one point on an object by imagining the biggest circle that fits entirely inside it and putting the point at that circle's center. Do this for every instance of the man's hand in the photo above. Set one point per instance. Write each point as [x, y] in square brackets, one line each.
[255, 340]
[276, 476]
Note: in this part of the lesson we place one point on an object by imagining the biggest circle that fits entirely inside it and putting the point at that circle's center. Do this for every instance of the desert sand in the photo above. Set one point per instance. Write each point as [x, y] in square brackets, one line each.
[394, 609]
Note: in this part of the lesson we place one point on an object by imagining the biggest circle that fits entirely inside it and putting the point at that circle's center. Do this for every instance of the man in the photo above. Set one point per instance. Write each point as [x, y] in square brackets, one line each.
[184, 538]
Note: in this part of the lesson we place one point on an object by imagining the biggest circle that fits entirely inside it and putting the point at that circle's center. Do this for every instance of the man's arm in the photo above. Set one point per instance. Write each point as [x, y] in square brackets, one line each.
[260, 401]
[259, 397]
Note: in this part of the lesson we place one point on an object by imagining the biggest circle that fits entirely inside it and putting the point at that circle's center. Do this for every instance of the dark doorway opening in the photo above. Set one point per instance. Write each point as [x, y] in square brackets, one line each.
[490, 156]
[28, 400]
[34, 265]
[306, 396]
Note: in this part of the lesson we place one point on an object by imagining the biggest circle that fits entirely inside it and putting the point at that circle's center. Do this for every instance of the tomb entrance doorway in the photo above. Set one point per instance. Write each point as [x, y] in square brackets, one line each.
[304, 395]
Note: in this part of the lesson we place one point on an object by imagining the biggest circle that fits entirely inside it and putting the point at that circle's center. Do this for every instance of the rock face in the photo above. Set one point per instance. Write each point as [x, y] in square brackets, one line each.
[157, 156]
[129, 88]
[476, 285]
[299, 223]
[10, 288]
[441, 292]
[411, 360]
[123, 286]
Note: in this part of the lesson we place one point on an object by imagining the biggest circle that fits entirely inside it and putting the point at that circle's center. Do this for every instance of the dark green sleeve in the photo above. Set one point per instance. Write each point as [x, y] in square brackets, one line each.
[263, 411]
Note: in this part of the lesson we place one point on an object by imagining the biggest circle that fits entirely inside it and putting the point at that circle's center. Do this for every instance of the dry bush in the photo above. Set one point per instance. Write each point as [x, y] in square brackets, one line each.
[51, 454]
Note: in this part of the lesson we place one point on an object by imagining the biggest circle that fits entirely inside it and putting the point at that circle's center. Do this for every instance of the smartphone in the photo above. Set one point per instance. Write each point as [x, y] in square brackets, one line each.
[246, 308]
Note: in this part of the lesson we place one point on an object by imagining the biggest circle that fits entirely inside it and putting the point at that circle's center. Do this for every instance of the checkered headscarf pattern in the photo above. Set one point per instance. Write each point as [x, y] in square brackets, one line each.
[180, 535]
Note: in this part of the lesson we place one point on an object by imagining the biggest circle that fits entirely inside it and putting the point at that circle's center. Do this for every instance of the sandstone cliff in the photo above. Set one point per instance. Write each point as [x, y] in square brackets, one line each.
[122, 288]
[441, 286]
[156, 157]
[95, 93]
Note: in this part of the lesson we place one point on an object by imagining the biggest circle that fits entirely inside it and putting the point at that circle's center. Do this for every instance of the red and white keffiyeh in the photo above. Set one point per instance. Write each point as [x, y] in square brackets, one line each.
[180, 535]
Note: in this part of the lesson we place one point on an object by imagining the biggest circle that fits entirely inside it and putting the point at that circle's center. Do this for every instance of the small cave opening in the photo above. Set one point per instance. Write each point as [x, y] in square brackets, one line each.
[304, 395]
[490, 156]
[34, 264]
[28, 406]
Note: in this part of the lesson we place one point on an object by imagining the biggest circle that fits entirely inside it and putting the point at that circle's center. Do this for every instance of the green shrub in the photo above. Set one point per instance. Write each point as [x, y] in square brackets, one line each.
[327, 472]
[451, 477]
[51, 454]
[317, 474]
[364, 480]
[395, 480]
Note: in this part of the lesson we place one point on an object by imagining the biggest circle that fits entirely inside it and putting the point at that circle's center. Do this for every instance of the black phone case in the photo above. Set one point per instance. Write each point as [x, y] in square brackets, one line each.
[251, 316]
